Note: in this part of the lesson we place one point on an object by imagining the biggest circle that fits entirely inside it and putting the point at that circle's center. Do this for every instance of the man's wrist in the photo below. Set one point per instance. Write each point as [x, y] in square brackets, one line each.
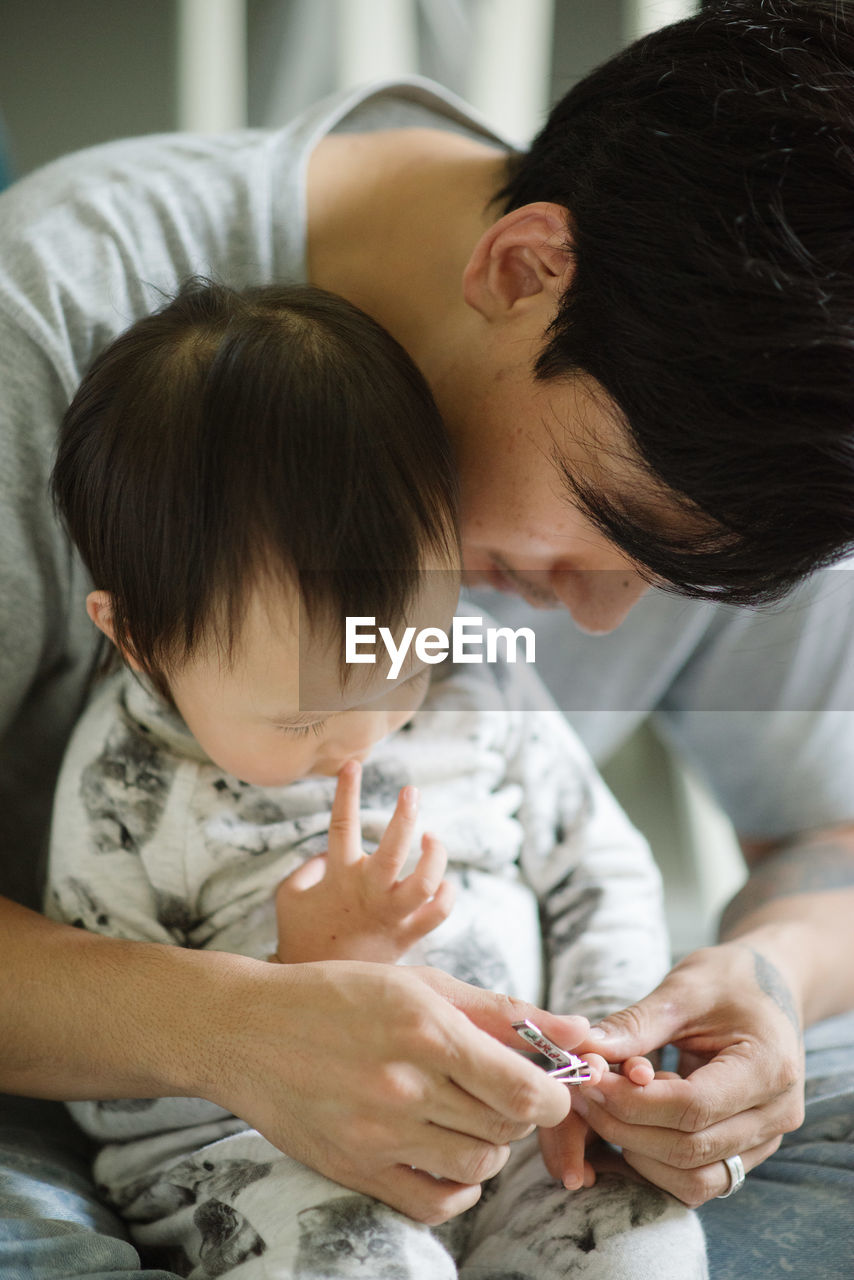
[179, 1021]
[85, 1016]
[228, 988]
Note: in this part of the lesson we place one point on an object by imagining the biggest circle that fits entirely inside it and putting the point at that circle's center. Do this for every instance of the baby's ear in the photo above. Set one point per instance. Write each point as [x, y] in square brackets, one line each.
[99, 606]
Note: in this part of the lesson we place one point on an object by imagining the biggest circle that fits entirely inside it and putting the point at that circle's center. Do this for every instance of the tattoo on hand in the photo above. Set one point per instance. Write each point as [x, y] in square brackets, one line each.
[770, 980]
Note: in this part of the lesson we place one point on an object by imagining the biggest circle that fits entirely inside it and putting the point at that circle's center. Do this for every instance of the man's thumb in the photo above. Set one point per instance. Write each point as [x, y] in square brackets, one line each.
[638, 1029]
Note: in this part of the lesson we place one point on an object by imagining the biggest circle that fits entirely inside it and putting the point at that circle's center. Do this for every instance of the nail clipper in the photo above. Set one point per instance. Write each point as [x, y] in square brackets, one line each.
[568, 1068]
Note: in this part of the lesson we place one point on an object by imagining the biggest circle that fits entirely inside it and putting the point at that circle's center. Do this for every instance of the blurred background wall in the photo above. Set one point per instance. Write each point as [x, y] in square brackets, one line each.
[78, 72]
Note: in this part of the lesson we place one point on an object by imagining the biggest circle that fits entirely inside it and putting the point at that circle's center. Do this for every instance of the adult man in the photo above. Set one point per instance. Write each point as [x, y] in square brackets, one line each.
[691, 424]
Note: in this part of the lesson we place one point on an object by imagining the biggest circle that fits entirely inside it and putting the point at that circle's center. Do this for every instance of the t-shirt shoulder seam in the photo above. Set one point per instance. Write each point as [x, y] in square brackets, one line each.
[423, 92]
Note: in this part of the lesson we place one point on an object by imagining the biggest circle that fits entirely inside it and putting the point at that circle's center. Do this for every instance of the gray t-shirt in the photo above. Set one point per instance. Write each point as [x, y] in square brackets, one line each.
[93, 242]
[761, 702]
[89, 244]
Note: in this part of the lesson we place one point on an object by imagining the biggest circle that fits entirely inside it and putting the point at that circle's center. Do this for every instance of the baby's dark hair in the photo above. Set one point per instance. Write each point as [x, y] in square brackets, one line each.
[274, 431]
[708, 176]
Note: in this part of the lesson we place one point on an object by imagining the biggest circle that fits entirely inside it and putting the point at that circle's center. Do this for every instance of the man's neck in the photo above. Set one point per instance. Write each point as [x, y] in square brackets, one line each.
[393, 217]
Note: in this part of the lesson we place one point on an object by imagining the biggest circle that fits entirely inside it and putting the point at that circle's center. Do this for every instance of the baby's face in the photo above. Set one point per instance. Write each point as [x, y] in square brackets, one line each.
[256, 716]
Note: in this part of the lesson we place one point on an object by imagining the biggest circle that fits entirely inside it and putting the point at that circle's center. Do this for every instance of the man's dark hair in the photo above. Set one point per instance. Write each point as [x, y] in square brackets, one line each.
[708, 175]
[274, 431]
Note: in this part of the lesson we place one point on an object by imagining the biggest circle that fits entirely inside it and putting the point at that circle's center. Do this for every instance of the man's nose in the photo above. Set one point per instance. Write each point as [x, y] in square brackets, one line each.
[598, 599]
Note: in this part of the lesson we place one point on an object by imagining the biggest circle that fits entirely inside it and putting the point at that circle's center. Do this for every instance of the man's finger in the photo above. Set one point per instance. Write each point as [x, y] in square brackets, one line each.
[495, 1012]
[457, 1156]
[345, 833]
[462, 1113]
[508, 1083]
[685, 1150]
[696, 1186]
[419, 1195]
[638, 1029]
[731, 1083]
[505, 1081]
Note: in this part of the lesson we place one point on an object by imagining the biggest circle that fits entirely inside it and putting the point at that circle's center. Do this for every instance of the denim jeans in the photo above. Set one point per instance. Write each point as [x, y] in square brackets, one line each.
[793, 1218]
[52, 1223]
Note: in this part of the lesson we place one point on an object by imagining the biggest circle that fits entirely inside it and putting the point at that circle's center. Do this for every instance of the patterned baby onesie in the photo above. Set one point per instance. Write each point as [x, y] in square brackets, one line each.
[558, 901]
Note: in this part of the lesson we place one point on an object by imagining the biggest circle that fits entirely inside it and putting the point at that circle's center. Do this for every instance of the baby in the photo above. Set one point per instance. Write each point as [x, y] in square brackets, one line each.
[241, 473]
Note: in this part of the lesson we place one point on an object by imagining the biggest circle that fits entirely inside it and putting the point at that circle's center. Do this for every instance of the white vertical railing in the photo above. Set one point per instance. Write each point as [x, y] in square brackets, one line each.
[510, 44]
[510, 80]
[642, 16]
[211, 65]
[375, 40]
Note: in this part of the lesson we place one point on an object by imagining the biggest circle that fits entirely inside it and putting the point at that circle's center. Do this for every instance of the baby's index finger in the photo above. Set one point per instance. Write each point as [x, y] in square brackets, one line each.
[345, 828]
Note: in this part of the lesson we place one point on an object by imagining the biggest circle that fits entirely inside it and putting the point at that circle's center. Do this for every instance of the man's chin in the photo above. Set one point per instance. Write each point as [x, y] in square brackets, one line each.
[594, 628]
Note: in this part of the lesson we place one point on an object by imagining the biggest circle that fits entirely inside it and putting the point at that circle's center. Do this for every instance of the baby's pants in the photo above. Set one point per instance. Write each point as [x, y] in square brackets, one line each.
[237, 1207]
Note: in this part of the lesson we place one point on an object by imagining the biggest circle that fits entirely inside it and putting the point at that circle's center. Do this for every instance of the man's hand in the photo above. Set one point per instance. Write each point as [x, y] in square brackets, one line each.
[349, 905]
[361, 1071]
[389, 1080]
[732, 1012]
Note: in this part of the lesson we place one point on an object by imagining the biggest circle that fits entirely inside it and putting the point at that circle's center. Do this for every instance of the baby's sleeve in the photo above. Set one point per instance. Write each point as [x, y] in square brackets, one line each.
[599, 889]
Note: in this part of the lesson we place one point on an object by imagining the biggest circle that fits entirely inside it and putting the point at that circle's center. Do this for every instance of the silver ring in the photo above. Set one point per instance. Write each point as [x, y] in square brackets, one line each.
[735, 1169]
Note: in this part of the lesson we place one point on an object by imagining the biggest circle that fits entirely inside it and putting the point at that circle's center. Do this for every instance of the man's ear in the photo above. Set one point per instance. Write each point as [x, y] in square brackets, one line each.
[99, 606]
[526, 255]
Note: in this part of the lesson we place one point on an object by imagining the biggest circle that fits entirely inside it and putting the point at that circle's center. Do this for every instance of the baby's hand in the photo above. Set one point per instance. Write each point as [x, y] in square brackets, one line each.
[349, 905]
[563, 1148]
